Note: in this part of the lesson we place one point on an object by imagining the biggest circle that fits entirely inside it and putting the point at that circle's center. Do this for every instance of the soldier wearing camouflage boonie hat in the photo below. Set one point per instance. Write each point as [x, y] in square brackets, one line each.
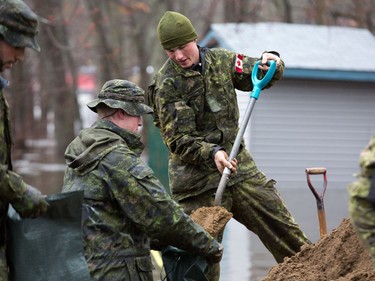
[122, 94]
[18, 24]
[125, 205]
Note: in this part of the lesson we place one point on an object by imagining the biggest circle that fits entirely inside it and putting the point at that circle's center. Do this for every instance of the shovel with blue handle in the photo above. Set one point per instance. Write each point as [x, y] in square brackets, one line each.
[258, 85]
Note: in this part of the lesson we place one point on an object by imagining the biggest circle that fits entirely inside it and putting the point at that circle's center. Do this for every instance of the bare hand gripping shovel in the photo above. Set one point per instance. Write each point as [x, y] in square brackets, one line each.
[214, 219]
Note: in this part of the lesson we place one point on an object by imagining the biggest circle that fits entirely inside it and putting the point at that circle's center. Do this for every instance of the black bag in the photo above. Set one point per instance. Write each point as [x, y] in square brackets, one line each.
[50, 247]
[182, 266]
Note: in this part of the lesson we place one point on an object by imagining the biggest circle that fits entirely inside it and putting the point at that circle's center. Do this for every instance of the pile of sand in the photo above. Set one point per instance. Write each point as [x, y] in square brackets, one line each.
[212, 219]
[338, 256]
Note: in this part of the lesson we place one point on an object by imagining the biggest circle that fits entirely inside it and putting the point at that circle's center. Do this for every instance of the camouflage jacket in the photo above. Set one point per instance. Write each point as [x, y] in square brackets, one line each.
[11, 185]
[367, 159]
[124, 203]
[197, 112]
[361, 187]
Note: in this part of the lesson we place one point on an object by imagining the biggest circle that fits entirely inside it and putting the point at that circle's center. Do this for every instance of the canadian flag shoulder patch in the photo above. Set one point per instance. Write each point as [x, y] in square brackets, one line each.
[239, 58]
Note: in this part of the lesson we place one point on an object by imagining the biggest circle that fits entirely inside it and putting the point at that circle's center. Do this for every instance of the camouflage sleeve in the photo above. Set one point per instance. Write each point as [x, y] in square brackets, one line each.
[367, 159]
[145, 202]
[26, 200]
[242, 67]
[362, 213]
[178, 126]
[12, 185]
[361, 203]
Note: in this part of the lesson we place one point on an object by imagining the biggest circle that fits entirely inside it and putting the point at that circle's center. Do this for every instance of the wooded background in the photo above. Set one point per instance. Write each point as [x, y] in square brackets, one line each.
[117, 39]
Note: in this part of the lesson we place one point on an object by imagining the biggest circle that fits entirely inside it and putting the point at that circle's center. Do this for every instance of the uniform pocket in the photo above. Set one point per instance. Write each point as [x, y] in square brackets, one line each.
[144, 267]
[185, 118]
[140, 171]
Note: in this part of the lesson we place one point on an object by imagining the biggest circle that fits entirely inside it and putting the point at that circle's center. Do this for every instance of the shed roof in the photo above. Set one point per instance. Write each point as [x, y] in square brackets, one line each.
[343, 53]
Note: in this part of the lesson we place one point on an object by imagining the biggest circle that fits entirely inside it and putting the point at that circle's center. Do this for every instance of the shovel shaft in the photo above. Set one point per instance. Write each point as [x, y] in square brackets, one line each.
[322, 220]
[234, 151]
[258, 84]
[221, 187]
[242, 129]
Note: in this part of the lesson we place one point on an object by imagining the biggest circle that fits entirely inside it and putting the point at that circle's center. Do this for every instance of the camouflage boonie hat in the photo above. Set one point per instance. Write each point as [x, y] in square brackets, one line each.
[18, 24]
[124, 95]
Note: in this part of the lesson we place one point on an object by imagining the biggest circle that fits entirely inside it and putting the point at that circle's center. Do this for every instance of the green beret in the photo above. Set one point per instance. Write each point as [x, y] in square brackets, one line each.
[122, 94]
[18, 24]
[174, 29]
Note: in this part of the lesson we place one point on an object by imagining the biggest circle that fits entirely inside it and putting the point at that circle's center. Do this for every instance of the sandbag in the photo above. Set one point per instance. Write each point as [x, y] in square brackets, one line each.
[183, 266]
[50, 247]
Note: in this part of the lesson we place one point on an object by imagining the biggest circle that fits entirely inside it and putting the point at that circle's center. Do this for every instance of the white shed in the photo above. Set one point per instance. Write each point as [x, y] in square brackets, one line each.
[322, 113]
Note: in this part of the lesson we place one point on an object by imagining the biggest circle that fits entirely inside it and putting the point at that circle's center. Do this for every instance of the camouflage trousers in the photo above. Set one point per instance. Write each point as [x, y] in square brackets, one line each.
[257, 205]
[121, 269]
[362, 213]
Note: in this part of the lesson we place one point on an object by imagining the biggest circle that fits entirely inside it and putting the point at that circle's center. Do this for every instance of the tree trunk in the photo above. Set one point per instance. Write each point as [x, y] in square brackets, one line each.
[109, 63]
[62, 104]
[21, 101]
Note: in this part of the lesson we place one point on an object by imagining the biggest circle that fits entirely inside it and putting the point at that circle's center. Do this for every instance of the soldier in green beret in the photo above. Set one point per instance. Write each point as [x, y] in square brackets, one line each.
[362, 198]
[18, 28]
[195, 104]
[125, 205]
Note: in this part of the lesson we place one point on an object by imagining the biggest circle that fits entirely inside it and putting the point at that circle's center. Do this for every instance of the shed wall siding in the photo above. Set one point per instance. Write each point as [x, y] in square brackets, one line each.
[303, 123]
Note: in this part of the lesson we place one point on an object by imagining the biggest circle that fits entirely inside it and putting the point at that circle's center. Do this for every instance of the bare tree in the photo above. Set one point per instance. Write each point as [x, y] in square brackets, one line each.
[107, 46]
[57, 64]
[21, 100]
[118, 37]
[285, 8]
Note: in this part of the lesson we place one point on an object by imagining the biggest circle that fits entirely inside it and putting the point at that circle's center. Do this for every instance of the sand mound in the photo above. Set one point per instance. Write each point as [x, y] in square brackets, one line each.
[338, 256]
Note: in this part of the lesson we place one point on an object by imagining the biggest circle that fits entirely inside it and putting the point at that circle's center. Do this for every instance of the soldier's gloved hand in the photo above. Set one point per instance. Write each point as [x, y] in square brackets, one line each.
[31, 204]
[215, 257]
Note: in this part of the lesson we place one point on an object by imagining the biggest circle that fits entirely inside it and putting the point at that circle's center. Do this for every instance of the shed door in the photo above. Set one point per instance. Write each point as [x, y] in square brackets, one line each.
[304, 123]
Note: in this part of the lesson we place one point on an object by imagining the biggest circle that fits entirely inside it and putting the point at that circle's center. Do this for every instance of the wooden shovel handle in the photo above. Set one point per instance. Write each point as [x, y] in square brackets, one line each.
[316, 170]
[322, 222]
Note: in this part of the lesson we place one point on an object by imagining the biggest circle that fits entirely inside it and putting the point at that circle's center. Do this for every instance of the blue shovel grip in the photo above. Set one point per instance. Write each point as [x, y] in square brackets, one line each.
[259, 84]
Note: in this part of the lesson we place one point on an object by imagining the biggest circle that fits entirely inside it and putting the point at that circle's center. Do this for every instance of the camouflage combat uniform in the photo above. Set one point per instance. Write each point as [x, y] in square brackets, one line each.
[124, 205]
[12, 188]
[197, 112]
[5, 147]
[362, 198]
[18, 28]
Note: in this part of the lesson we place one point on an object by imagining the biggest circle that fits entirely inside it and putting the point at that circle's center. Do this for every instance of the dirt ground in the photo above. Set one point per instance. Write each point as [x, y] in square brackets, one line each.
[338, 256]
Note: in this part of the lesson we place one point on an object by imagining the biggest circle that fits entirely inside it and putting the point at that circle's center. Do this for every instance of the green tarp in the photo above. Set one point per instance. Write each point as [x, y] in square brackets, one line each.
[48, 248]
